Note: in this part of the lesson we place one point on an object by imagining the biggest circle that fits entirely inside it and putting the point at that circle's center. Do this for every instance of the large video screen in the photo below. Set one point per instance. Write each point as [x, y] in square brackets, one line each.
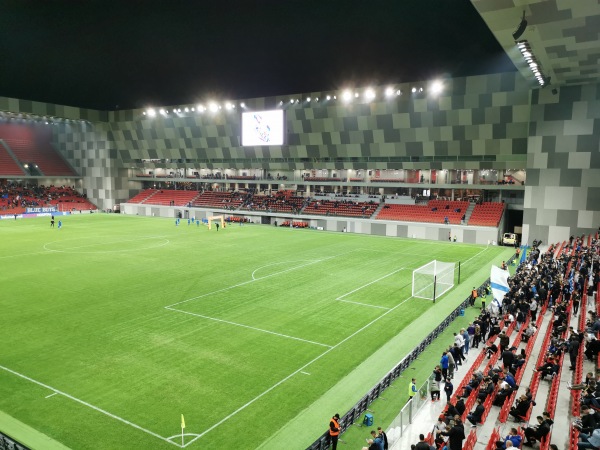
[262, 128]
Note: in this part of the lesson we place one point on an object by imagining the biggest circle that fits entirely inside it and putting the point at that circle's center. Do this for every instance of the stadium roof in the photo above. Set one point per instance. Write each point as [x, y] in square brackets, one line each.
[563, 35]
[125, 54]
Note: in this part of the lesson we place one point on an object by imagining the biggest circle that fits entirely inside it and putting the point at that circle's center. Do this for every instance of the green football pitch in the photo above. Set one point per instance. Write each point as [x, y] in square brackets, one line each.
[114, 326]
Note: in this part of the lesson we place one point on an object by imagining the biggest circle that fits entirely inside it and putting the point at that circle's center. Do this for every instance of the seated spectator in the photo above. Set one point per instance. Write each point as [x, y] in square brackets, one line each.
[514, 439]
[529, 331]
[589, 440]
[536, 433]
[550, 367]
[460, 406]
[589, 420]
[504, 390]
[491, 350]
[486, 390]
[519, 411]
[475, 416]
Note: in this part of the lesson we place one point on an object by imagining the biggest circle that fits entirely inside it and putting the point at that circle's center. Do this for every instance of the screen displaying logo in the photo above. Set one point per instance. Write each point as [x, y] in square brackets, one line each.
[262, 128]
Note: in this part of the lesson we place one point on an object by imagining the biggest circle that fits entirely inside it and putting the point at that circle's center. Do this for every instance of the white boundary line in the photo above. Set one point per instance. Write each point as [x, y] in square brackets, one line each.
[89, 405]
[70, 249]
[243, 283]
[248, 326]
[364, 286]
[300, 370]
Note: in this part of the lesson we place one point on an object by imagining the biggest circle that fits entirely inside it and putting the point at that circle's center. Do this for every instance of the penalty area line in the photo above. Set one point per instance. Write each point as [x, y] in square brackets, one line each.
[89, 405]
[300, 370]
[248, 326]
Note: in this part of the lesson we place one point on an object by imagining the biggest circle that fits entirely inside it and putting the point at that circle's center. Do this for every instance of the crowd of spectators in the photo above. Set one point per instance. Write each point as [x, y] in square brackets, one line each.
[540, 280]
[17, 196]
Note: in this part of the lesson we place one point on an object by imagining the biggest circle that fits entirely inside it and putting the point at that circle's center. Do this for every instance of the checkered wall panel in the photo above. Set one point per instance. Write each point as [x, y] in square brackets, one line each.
[477, 123]
[562, 195]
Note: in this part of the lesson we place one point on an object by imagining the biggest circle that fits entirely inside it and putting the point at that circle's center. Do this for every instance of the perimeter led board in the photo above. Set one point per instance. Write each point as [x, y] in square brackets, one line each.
[262, 128]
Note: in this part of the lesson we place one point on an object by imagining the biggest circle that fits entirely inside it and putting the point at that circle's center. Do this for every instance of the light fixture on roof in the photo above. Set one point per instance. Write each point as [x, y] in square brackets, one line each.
[213, 107]
[370, 94]
[308, 99]
[389, 92]
[413, 90]
[187, 109]
[243, 105]
[347, 95]
[328, 97]
[151, 112]
[436, 87]
[533, 63]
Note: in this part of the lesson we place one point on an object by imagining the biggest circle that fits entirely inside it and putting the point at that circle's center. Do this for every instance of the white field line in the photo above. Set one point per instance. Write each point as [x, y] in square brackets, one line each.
[247, 326]
[363, 304]
[476, 255]
[311, 261]
[51, 395]
[95, 244]
[364, 286]
[89, 405]
[300, 370]
[243, 283]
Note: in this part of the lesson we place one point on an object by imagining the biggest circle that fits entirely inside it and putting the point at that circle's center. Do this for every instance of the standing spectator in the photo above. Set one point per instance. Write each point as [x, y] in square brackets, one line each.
[334, 431]
[503, 341]
[474, 295]
[434, 386]
[533, 307]
[444, 365]
[467, 340]
[383, 437]
[451, 364]
[573, 350]
[471, 333]
[448, 389]
[456, 435]
[412, 390]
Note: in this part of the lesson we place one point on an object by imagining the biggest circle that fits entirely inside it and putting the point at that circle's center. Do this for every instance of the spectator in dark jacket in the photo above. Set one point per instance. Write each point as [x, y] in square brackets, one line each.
[456, 435]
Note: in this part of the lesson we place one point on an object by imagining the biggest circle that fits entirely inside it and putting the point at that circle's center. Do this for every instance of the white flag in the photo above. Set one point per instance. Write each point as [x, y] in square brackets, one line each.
[499, 285]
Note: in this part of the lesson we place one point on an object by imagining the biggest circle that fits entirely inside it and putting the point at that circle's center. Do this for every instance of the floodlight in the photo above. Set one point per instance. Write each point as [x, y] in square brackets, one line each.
[389, 92]
[308, 99]
[436, 87]
[414, 90]
[328, 97]
[213, 107]
[193, 109]
[243, 105]
[369, 94]
[347, 96]
[356, 95]
[187, 110]
[151, 112]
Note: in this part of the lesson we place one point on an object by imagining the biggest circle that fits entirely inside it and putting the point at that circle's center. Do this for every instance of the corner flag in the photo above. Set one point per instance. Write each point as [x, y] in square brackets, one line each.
[182, 422]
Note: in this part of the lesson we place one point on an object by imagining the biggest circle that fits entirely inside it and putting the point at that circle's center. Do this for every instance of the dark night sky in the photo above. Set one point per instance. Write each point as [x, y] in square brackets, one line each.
[100, 54]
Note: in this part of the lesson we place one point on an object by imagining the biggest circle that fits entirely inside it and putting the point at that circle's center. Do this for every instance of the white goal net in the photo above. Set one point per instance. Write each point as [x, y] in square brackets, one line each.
[433, 280]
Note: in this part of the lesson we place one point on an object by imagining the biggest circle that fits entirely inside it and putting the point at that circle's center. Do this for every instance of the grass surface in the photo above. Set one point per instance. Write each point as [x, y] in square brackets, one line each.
[114, 326]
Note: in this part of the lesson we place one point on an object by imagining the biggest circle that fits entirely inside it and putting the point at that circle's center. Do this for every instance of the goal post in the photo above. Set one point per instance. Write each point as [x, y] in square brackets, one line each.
[219, 219]
[433, 280]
